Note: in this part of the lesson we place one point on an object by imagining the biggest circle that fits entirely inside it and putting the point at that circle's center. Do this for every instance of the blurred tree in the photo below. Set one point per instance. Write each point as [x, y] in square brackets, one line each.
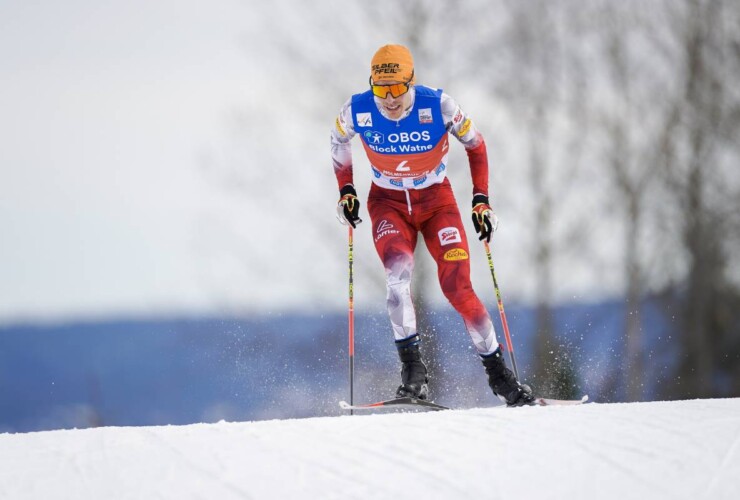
[670, 128]
[630, 176]
[534, 92]
[700, 154]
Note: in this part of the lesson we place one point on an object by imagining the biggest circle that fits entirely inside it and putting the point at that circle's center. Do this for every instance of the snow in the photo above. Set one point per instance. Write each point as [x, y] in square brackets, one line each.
[660, 450]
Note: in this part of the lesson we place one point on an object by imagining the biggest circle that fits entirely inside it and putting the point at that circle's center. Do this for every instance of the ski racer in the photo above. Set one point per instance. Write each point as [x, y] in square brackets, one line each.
[405, 129]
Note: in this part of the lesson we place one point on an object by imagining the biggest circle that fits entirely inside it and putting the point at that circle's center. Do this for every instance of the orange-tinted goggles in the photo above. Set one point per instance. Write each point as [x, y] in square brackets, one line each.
[396, 90]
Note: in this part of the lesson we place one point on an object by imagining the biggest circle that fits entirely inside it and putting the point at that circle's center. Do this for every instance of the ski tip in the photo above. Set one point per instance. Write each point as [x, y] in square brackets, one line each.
[345, 405]
[584, 398]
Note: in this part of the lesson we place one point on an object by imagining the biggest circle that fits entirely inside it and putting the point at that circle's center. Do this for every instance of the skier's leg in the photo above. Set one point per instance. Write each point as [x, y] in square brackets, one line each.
[445, 238]
[395, 239]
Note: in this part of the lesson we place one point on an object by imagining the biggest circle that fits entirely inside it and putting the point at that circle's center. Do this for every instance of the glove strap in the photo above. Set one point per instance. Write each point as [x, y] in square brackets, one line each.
[480, 199]
[347, 189]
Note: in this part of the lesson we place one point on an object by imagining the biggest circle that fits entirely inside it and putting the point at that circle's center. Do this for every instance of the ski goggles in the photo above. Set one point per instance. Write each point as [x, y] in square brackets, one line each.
[396, 89]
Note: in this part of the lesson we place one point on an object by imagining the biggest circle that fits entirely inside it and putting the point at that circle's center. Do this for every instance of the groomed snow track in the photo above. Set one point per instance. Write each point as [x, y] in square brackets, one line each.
[661, 450]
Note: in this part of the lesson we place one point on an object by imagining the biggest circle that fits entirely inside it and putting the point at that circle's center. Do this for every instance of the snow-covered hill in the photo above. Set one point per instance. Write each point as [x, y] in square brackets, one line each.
[670, 450]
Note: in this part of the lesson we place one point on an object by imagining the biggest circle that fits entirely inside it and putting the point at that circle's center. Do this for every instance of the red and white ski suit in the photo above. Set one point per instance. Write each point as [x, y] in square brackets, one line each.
[400, 210]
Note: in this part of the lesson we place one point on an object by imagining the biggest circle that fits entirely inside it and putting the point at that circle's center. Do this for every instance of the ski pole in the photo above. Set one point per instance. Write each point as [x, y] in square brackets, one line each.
[501, 312]
[351, 326]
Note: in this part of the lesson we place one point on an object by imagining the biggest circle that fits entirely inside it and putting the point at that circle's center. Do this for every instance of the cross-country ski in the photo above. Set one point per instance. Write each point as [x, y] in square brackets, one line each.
[409, 402]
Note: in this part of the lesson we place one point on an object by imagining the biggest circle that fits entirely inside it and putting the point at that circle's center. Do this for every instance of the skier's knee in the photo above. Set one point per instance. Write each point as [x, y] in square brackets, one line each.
[398, 272]
[458, 296]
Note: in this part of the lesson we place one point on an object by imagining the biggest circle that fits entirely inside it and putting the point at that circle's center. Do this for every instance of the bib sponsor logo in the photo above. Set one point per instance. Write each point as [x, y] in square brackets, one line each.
[376, 173]
[456, 254]
[396, 182]
[425, 115]
[384, 228]
[449, 235]
[440, 169]
[404, 137]
[372, 137]
[364, 119]
[403, 142]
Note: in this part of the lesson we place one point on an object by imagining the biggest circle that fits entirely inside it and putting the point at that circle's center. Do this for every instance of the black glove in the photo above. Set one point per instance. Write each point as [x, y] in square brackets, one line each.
[485, 221]
[348, 208]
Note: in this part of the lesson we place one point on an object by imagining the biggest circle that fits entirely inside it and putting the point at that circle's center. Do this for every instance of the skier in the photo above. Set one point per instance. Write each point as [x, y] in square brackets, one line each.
[404, 129]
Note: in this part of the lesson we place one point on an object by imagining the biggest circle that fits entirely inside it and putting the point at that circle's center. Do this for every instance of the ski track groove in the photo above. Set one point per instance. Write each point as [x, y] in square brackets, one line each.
[668, 427]
[671, 444]
[299, 461]
[296, 460]
[195, 466]
[593, 444]
[556, 434]
[714, 481]
[391, 451]
[81, 474]
[663, 426]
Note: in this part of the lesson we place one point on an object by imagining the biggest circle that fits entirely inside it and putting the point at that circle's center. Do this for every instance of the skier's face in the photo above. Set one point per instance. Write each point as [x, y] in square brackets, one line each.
[395, 106]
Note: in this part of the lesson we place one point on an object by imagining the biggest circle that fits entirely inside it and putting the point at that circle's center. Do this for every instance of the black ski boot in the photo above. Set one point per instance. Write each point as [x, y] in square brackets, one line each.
[503, 382]
[413, 373]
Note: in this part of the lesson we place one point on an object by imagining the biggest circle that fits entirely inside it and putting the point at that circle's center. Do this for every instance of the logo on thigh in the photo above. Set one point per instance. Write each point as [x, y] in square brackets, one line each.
[449, 235]
[456, 254]
[384, 228]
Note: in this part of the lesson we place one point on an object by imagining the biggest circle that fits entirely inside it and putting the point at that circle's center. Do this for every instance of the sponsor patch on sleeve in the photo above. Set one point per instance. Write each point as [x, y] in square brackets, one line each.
[465, 128]
[340, 129]
[458, 116]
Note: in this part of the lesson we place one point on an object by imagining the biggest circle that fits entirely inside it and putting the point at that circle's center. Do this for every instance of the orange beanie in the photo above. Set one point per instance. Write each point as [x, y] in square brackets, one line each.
[392, 63]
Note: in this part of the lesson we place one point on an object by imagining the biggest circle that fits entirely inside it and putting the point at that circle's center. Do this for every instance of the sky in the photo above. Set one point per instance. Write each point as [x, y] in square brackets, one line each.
[606, 451]
[106, 107]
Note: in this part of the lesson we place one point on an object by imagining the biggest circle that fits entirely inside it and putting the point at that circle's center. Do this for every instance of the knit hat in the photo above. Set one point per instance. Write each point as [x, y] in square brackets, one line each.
[392, 63]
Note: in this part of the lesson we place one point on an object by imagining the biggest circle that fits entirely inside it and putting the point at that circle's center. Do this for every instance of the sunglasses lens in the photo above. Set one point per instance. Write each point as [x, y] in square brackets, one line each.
[396, 90]
[381, 91]
[399, 89]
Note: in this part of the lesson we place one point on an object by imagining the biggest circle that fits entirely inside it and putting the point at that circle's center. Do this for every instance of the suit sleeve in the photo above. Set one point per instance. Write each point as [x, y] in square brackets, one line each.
[460, 125]
[341, 147]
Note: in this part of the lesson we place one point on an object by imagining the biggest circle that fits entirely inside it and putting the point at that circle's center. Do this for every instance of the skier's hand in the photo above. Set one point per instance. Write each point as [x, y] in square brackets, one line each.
[485, 221]
[348, 208]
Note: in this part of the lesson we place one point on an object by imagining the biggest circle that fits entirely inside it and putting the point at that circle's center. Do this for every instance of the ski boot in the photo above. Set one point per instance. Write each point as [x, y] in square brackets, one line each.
[503, 382]
[413, 373]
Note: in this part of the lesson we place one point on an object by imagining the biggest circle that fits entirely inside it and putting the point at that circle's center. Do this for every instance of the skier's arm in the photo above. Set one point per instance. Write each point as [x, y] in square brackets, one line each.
[341, 147]
[462, 127]
[348, 208]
